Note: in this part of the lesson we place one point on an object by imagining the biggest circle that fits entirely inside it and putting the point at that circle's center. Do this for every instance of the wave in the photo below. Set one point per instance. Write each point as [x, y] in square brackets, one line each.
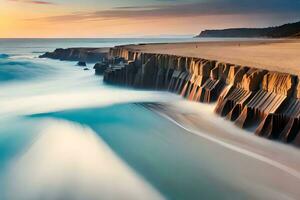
[3, 55]
[20, 70]
[39, 52]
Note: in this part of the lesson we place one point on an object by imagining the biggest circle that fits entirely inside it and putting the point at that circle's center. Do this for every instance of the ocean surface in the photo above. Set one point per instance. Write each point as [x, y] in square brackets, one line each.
[66, 135]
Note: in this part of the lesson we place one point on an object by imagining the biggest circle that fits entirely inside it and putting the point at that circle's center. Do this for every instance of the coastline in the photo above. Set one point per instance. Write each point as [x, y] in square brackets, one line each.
[196, 119]
[263, 96]
[280, 55]
[250, 96]
[185, 152]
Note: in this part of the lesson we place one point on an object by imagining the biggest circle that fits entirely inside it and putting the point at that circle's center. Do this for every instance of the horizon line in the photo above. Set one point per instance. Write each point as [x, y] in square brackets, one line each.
[133, 37]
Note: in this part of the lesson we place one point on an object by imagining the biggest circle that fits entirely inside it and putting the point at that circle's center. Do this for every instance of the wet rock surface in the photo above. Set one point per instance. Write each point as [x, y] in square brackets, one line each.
[252, 98]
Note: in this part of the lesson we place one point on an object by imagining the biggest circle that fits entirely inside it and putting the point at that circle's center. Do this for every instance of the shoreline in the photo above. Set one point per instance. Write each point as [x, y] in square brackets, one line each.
[239, 52]
[266, 98]
[275, 154]
[281, 55]
[181, 148]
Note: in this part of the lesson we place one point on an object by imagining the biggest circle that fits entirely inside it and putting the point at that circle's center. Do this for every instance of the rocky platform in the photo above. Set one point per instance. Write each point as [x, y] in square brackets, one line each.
[90, 55]
[267, 101]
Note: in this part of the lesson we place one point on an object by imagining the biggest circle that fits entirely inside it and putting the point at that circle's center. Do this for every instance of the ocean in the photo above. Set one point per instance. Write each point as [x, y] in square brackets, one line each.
[66, 135]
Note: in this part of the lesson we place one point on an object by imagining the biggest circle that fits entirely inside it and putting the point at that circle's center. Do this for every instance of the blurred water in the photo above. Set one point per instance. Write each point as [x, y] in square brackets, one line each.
[40, 160]
[66, 135]
[38, 46]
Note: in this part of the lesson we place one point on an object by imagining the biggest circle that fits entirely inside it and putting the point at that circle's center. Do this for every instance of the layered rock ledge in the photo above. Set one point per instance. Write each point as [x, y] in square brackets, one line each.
[91, 55]
[251, 97]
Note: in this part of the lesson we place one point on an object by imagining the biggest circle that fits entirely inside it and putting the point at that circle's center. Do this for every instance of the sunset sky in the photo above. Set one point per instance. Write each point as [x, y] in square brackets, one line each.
[138, 18]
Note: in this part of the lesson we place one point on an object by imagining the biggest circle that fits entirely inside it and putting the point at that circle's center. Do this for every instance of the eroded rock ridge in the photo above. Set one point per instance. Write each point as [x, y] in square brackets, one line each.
[90, 55]
[250, 97]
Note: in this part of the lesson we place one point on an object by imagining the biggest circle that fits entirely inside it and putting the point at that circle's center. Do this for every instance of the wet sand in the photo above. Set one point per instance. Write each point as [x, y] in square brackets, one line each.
[274, 55]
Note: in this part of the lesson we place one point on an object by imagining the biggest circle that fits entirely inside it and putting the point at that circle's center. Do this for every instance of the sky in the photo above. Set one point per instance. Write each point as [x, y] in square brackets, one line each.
[137, 18]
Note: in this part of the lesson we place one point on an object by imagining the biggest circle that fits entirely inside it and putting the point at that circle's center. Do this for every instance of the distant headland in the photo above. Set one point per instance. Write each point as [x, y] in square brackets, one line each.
[283, 31]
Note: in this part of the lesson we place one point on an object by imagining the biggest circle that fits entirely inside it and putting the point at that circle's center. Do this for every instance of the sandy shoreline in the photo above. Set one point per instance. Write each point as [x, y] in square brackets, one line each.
[275, 55]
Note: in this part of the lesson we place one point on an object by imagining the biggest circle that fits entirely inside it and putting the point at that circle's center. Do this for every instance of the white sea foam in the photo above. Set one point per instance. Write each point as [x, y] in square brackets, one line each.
[69, 161]
[71, 88]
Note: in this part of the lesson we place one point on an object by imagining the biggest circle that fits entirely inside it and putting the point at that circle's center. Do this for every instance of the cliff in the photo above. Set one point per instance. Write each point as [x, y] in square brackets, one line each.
[286, 30]
[91, 55]
[265, 100]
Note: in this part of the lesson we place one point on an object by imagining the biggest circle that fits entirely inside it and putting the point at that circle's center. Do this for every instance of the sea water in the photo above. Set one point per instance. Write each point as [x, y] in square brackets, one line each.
[66, 135]
[41, 160]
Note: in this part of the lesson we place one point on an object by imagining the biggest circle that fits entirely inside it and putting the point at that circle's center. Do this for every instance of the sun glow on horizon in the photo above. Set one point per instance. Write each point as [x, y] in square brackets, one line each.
[74, 19]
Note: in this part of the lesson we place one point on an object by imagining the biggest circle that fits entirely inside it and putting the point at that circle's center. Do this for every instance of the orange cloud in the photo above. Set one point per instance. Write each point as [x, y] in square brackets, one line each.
[34, 2]
[70, 20]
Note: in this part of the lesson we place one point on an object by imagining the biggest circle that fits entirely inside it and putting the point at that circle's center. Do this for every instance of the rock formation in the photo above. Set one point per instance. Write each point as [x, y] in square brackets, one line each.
[81, 64]
[91, 55]
[268, 101]
[100, 68]
[286, 30]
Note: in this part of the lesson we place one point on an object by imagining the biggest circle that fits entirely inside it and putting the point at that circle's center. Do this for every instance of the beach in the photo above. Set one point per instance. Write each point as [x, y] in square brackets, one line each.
[272, 54]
